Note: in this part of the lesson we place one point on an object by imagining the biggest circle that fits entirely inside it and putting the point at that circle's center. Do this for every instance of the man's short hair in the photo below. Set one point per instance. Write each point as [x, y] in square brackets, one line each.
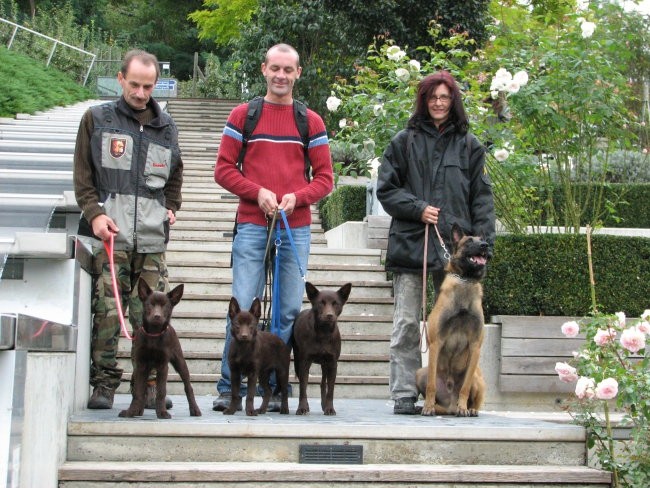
[146, 58]
[285, 48]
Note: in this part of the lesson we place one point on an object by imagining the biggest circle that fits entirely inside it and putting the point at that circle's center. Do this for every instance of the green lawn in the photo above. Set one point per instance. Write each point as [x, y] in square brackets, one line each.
[28, 86]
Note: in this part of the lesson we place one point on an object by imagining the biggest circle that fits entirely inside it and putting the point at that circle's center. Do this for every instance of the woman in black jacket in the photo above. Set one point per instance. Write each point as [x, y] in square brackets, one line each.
[432, 172]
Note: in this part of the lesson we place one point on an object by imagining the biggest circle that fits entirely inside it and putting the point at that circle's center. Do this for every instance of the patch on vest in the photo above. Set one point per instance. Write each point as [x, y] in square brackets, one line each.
[118, 147]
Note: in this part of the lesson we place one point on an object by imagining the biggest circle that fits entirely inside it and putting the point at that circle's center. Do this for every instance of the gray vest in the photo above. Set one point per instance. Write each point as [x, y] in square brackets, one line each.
[132, 164]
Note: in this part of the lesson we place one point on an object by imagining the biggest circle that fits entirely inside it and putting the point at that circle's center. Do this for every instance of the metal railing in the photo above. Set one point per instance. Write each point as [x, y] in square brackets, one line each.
[55, 43]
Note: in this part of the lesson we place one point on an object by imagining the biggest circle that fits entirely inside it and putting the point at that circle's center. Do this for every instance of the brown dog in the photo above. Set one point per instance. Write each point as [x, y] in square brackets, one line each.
[255, 353]
[316, 339]
[453, 379]
[155, 346]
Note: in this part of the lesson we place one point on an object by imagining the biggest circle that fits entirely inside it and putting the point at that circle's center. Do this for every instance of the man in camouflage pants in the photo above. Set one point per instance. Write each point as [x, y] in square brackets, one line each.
[128, 175]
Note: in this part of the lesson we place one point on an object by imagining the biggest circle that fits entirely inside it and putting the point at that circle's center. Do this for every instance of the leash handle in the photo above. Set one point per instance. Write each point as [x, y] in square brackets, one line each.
[109, 246]
[275, 294]
[424, 333]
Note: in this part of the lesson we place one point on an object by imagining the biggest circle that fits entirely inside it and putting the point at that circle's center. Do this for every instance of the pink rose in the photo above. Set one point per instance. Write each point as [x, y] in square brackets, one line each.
[570, 329]
[566, 372]
[633, 339]
[603, 336]
[607, 389]
[585, 388]
[644, 326]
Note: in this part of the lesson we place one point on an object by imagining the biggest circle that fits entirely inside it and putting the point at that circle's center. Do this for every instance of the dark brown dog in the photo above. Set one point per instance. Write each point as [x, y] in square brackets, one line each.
[255, 353]
[155, 346]
[454, 382]
[316, 339]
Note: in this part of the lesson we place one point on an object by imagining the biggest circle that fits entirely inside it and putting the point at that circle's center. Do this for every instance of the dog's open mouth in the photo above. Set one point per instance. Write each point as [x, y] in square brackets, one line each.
[479, 260]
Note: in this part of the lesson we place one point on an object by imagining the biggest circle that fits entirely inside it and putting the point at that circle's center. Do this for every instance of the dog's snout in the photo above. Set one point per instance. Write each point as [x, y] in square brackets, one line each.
[484, 245]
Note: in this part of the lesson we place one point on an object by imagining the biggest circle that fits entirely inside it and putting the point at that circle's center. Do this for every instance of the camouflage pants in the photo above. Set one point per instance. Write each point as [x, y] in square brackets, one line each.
[129, 268]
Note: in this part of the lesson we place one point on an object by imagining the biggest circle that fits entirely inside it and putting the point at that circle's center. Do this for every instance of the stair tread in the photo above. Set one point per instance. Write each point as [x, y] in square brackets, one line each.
[265, 471]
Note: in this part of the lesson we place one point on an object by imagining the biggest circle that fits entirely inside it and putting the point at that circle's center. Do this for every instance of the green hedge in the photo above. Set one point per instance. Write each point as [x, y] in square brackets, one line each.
[345, 204]
[547, 274]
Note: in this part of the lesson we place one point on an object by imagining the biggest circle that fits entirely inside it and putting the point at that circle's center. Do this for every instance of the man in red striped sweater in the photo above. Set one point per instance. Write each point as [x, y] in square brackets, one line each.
[272, 176]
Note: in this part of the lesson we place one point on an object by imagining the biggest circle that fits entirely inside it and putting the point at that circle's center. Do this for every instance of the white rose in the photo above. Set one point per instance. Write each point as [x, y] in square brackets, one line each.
[394, 53]
[588, 29]
[402, 74]
[333, 103]
[521, 77]
[501, 154]
[343, 123]
[414, 64]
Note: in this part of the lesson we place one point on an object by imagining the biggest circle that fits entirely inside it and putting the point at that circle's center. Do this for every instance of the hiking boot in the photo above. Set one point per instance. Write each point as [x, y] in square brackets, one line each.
[102, 398]
[150, 399]
[222, 402]
[274, 403]
[405, 406]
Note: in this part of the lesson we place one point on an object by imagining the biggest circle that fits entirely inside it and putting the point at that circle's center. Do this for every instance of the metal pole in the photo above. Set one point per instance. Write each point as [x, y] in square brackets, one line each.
[51, 53]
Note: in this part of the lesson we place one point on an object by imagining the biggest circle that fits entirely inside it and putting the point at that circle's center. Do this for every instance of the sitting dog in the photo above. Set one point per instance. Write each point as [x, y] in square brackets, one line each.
[453, 383]
[316, 339]
[155, 345]
[255, 353]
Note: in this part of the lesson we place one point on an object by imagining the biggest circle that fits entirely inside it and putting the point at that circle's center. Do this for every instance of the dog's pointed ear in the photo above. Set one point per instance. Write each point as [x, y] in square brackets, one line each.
[256, 308]
[233, 308]
[312, 291]
[456, 233]
[143, 289]
[344, 292]
[176, 294]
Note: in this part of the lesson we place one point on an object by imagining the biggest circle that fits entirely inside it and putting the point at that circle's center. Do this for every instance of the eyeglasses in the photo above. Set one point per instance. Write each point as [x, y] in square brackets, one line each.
[442, 99]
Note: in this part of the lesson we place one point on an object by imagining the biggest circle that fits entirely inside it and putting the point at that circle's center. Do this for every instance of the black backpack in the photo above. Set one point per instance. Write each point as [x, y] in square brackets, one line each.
[253, 116]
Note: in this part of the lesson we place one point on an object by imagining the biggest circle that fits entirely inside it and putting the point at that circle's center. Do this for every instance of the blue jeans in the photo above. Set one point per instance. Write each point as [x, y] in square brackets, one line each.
[248, 281]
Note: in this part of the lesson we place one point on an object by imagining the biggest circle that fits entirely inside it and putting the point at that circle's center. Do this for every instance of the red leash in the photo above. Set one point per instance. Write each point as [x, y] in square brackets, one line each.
[116, 291]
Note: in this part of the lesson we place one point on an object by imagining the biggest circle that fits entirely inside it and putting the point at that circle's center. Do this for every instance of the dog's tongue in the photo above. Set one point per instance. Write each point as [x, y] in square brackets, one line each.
[480, 260]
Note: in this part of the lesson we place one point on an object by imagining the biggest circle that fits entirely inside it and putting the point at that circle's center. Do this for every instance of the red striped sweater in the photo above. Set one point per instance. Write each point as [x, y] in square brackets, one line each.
[274, 160]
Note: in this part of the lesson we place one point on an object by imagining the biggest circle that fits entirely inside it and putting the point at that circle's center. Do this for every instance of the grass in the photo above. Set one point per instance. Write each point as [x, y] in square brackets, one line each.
[29, 86]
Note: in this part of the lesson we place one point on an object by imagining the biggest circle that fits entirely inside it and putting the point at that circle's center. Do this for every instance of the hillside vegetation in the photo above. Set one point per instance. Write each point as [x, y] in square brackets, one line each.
[28, 86]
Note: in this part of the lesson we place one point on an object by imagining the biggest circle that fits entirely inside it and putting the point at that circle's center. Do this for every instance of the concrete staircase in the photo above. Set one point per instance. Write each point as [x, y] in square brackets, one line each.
[365, 443]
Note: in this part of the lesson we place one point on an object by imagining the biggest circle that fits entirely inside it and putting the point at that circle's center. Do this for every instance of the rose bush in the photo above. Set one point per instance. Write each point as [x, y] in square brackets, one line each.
[612, 374]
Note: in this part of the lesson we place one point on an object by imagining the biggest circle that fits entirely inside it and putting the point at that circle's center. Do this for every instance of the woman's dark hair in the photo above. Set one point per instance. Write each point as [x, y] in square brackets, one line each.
[426, 87]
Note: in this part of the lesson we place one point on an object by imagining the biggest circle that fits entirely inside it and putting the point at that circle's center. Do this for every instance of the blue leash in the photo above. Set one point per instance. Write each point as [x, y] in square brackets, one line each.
[275, 300]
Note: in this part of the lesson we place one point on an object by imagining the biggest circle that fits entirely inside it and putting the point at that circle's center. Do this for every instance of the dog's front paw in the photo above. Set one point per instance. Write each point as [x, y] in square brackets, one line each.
[428, 409]
[467, 412]
[125, 413]
[329, 411]
[303, 408]
[230, 410]
[195, 412]
[163, 414]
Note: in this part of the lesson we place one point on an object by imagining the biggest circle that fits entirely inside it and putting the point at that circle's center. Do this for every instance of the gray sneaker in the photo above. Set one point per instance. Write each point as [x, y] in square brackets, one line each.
[274, 403]
[405, 406]
[150, 399]
[222, 402]
[102, 398]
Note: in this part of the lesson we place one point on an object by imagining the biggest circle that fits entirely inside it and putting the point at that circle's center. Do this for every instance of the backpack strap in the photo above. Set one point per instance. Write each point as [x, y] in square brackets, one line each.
[253, 115]
[300, 116]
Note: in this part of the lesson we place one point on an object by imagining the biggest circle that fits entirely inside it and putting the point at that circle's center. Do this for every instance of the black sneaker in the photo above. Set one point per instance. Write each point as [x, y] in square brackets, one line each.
[150, 399]
[102, 398]
[404, 406]
[222, 402]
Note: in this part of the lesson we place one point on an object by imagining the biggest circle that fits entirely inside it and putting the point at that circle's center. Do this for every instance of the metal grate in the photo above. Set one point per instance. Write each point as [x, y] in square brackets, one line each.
[331, 454]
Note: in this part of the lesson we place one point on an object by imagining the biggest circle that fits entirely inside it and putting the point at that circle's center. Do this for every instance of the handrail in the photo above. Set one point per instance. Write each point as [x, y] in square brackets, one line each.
[55, 41]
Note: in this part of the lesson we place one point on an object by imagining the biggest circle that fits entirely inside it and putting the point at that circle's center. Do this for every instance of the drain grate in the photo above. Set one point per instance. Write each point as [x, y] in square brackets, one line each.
[331, 454]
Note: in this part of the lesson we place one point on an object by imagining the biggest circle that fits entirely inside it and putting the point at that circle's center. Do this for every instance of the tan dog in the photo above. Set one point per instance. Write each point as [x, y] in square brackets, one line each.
[452, 383]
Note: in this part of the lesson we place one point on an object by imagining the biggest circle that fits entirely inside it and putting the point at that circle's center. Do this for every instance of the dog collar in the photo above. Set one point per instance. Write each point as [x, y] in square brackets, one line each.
[460, 278]
[149, 334]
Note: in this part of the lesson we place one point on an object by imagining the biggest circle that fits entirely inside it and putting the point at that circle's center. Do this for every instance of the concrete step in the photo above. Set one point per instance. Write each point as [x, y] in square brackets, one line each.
[211, 342]
[410, 439]
[290, 475]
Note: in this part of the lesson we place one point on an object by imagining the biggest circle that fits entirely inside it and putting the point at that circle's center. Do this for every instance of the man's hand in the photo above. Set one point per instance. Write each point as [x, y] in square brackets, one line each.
[267, 201]
[430, 215]
[288, 203]
[103, 226]
[171, 216]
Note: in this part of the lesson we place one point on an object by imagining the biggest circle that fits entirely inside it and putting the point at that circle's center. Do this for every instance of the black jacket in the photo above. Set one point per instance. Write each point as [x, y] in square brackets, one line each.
[435, 168]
